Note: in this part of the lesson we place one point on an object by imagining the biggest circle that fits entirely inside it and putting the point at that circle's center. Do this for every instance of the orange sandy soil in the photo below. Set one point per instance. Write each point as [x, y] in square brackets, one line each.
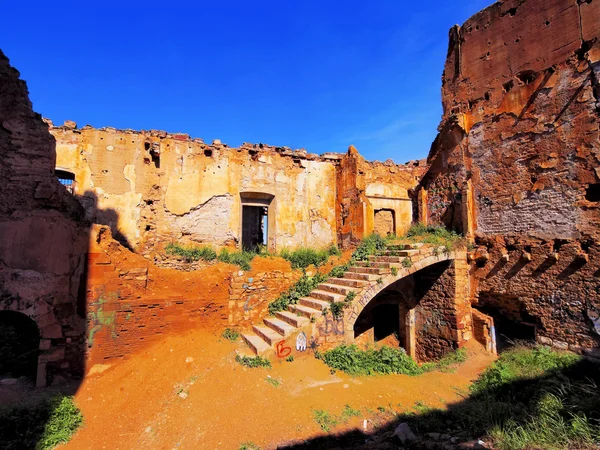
[134, 404]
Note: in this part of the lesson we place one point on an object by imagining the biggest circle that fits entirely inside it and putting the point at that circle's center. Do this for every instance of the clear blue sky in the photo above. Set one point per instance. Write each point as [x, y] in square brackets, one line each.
[319, 75]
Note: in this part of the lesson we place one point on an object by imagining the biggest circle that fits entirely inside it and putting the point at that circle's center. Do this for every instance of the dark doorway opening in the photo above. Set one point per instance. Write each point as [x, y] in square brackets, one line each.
[509, 330]
[386, 321]
[19, 345]
[254, 227]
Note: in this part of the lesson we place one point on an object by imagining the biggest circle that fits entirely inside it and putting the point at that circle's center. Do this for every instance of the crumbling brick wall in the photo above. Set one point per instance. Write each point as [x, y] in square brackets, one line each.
[516, 165]
[43, 237]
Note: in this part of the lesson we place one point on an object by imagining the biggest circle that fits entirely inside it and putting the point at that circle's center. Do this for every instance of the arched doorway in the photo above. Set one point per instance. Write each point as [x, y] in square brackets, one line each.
[419, 310]
[19, 345]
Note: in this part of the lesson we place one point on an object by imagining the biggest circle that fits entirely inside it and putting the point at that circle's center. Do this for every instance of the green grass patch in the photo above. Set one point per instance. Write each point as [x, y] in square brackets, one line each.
[249, 446]
[273, 382]
[448, 363]
[303, 257]
[253, 362]
[242, 259]
[325, 419]
[230, 334]
[370, 245]
[301, 288]
[191, 254]
[384, 360]
[530, 398]
[40, 427]
[435, 235]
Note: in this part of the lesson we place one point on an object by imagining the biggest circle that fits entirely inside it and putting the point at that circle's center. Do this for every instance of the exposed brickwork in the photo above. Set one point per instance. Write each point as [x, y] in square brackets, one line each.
[43, 238]
[517, 159]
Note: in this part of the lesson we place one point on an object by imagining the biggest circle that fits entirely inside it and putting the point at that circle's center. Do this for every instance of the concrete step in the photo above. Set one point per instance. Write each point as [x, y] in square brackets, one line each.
[336, 288]
[292, 318]
[404, 253]
[256, 343]
[281, 327]
[360, 276]
[267, 334]
[319, 305]
[387, 259]
[382, 265]
[327, 296]
[348, 282]
[369, 270]
[305, 311]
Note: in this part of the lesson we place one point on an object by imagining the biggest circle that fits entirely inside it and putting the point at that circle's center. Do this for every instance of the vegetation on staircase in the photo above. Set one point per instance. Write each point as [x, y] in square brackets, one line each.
[374, 259]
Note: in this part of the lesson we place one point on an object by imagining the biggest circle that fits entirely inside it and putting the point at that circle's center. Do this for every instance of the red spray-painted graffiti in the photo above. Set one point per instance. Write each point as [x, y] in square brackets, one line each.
[282, 350]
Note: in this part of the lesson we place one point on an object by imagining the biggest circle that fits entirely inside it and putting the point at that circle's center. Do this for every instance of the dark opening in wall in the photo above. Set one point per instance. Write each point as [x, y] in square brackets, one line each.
[147, 145]
[67, 179]
[527, 77]
[507, 87]
[19, 345]
[208, 153]
[512, 11]
[386, 321]
[592, 193]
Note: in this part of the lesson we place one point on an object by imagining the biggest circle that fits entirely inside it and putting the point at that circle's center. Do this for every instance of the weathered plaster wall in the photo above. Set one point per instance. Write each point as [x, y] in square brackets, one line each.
[43, 237]
[364, 187]
[153, 187]
[164, 187]
[516, 165]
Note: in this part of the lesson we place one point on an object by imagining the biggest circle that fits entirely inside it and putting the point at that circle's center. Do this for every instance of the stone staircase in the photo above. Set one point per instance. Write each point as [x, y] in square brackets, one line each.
[264, 337]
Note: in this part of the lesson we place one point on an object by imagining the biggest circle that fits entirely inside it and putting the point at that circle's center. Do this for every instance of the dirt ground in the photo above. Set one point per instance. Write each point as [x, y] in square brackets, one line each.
[188, 392]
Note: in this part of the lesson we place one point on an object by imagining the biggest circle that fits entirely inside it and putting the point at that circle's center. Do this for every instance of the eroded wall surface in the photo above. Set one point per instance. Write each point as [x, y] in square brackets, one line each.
[153, 187]
[516, 165]
[43, 237]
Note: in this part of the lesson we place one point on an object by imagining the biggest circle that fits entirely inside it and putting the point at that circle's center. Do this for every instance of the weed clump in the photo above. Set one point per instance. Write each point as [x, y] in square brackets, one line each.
[303, 257]
[241, 259]
[385, 360]
[40, 427]
[191, 254]
[371, 245]
[253, 362]
[435, 235]
[230, 334]
[302, 288]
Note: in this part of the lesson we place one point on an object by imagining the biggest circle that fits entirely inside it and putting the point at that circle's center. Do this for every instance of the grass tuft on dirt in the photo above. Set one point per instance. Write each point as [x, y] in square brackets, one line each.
[532, 397]
[40, 427]
[253, 362]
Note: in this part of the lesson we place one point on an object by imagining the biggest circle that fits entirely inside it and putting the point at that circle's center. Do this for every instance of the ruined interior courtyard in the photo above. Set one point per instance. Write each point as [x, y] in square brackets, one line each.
[138, 268]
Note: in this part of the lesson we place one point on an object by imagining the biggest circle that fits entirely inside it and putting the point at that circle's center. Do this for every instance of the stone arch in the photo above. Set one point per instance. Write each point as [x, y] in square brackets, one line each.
[443, 317]
[50, 332]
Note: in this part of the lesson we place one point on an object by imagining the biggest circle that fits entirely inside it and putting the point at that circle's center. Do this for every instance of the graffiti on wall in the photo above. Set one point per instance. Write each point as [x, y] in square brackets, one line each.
[100, 317]
[333, 326]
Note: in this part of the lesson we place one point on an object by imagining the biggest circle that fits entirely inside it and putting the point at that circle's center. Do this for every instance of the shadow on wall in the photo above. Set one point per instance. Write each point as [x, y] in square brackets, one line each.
[108, 217]
[552, 397]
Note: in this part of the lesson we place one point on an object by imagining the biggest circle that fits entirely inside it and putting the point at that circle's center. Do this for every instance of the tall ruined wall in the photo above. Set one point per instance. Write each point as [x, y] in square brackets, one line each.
[153, 187]
[516, 165]
[43, 238]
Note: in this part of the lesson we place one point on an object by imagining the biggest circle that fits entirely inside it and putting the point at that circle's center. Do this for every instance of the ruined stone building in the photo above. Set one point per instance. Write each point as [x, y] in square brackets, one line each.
[153, 187]
[515, 168]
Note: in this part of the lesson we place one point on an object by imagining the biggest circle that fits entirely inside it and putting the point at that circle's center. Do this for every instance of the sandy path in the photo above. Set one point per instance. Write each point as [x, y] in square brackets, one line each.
[135, 403]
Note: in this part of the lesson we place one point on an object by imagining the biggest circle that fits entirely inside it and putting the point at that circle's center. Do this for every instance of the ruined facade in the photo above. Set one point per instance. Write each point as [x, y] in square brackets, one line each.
[516, 165]
[44, 239]
[152, 188]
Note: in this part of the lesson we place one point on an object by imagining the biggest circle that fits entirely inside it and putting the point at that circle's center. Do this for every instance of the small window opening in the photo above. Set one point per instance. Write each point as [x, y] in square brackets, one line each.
[67, 179]
[208, 153]
[507, 87]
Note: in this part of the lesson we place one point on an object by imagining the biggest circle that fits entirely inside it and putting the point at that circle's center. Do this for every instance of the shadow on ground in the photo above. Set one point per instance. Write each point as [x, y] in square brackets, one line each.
[555, 401]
